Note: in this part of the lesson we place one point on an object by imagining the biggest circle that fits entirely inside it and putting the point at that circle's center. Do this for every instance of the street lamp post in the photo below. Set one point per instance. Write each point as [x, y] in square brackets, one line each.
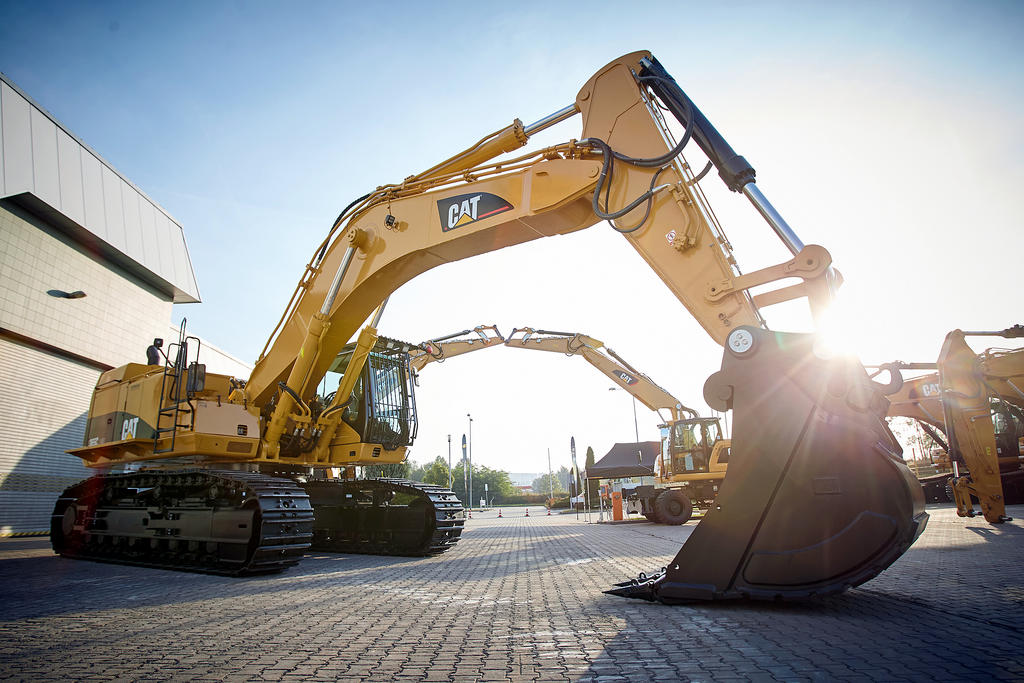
[551, 484]
[450, 479]
[470, 461]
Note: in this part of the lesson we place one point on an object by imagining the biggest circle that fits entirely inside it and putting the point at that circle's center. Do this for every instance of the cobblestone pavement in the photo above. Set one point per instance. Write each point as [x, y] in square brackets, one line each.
[518, 599]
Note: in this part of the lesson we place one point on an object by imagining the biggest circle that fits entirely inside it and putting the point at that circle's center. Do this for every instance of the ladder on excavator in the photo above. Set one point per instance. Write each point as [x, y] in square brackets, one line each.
[175, 399]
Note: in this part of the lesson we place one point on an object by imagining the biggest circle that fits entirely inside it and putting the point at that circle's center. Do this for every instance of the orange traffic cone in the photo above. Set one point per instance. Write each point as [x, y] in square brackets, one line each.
[499, 513]
[527, 512]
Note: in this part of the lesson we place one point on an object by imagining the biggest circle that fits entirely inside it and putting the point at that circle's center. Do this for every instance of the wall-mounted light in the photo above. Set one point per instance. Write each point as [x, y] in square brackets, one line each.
[60, 294]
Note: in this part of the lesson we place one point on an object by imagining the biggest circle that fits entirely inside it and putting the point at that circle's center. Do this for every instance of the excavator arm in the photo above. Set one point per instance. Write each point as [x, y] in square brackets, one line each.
[918, 398]
[442, 348]
[605, 360]
[968, 383]
[466, 206]
[1003, 369]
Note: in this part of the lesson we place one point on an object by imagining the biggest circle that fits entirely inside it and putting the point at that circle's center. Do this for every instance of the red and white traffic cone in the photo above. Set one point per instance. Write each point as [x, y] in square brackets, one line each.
[527, 512]
[499, 513]
[549, 512]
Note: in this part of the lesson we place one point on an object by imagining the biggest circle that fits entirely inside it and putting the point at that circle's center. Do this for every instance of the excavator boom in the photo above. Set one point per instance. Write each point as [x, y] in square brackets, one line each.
[606, 361]
[442, 348]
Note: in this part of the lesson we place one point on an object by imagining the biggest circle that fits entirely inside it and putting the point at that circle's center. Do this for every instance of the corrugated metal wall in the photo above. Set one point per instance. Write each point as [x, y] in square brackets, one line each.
[40, 157]
[43, 399]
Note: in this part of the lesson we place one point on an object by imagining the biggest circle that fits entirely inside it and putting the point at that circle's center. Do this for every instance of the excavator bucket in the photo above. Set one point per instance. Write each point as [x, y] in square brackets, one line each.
[817, 498]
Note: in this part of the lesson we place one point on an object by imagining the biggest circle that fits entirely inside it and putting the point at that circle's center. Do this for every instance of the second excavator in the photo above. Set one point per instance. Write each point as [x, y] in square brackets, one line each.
[694, 454]
[972, 406]
[230, 473]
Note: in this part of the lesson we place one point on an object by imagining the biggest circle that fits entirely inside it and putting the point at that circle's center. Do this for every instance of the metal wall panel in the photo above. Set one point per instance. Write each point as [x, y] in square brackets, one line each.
[132, 225]
[147, 226]
[69, 164]
[43, 400]
[3, 191]
[163, 239]
[178, 249]
[92, 183]
[112, 206]
[17, 123]
[44, 158]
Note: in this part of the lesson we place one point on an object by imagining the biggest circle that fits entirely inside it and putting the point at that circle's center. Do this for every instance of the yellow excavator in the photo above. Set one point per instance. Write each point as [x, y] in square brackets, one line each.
[694, 454]
[975, 401]
[206, 472]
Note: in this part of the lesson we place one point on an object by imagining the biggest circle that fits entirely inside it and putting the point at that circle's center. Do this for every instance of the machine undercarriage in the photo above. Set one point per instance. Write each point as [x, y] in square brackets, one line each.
[242, 523]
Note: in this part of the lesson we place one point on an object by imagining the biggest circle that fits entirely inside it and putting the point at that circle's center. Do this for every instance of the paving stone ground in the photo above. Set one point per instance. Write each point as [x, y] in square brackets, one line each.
[518, 599]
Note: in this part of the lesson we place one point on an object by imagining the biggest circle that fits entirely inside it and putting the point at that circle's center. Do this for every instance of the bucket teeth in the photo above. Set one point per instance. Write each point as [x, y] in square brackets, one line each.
[640, 588]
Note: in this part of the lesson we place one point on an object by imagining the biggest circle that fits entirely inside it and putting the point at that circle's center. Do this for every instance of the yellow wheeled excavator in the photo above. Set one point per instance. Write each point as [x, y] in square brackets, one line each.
[694, 454]
[976, 401]
[817, 499]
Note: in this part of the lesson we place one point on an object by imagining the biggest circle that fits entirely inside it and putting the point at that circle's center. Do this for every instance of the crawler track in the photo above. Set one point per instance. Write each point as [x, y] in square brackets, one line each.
[384, 517]
[217, 522]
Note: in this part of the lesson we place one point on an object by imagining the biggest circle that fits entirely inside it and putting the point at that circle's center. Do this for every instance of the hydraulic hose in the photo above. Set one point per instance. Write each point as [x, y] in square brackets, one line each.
[608, 166]
[323, 250]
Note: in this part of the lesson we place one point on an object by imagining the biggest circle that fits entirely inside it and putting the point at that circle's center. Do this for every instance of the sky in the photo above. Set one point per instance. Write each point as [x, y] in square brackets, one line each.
[887, 132]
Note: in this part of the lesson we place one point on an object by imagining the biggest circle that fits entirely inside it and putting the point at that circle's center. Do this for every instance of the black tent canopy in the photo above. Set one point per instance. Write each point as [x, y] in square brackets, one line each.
[622, 461]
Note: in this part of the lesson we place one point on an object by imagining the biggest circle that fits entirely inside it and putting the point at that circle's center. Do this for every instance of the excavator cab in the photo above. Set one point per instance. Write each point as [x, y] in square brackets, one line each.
[382, 406]
[690, 443]
[1009, 429]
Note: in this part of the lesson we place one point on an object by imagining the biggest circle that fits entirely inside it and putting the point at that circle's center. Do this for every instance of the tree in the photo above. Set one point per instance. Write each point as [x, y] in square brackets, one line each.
[547, 483]
[436, 472]
[459, 481]
[398, 470]
[564, 478]
[416, 471]
[908, 433]
[494, 482]
[592, 483]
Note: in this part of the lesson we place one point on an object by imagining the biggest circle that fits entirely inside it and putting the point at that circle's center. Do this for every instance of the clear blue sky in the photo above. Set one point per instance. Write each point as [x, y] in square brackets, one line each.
[888, 132]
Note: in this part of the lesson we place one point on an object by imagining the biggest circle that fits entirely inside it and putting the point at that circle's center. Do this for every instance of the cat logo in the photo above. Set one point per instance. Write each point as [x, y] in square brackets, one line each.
[128, 428]
[926, 390]
[625, 377]
[464, 209]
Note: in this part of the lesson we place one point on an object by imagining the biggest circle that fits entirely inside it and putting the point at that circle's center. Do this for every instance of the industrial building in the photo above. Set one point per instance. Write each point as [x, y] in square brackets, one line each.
[89, 270]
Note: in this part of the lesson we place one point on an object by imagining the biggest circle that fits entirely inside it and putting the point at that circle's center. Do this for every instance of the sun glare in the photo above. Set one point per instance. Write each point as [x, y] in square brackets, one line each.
[840, 331]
